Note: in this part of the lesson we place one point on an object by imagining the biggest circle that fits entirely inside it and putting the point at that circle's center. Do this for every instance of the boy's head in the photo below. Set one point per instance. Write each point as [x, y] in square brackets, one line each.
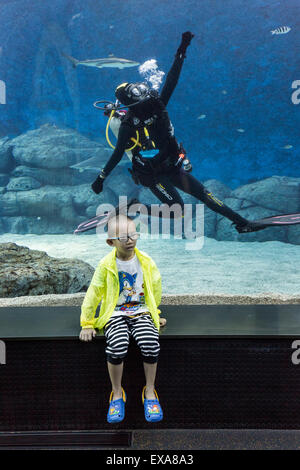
[119, 228]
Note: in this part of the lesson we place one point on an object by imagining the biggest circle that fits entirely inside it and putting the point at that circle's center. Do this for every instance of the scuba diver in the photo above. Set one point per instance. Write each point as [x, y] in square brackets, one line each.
[148, 126]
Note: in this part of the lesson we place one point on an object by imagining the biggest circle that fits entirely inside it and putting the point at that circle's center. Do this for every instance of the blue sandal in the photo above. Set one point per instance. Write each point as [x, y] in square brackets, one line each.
[116, 411]
[152, 408]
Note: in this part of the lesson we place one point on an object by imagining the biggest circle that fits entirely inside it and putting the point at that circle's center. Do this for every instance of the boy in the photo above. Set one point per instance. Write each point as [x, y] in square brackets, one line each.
[129, 285]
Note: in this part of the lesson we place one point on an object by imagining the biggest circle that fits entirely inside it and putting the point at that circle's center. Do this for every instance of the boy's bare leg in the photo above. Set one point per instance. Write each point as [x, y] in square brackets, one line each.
[115, 374]
[150, 374]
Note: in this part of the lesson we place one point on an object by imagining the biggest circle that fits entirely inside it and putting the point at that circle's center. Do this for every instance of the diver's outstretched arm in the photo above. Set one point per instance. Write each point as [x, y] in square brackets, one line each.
[173, 75]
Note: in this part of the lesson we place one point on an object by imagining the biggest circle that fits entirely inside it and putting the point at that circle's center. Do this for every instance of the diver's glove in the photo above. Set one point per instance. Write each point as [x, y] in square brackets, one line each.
[185, 42]
[97, 185]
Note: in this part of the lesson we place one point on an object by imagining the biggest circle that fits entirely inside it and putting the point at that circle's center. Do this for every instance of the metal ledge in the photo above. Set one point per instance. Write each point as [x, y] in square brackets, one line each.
[183, 321]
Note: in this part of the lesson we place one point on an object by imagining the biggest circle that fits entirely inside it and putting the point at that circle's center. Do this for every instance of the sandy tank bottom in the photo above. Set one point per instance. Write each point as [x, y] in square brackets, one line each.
[215, 268]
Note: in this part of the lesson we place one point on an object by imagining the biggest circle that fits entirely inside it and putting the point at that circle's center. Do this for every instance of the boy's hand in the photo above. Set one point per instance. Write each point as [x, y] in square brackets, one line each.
[162, 321]
[87, 334]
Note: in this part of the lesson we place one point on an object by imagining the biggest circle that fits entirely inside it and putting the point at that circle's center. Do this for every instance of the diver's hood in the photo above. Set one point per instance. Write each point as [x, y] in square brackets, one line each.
[131, 94]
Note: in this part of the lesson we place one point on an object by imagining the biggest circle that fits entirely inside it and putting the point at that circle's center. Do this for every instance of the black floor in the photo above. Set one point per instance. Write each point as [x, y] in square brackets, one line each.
[198, 439]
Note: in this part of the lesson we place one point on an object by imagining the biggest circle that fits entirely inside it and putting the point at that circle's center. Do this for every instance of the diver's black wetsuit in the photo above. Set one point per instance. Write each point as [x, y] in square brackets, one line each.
[160, 173]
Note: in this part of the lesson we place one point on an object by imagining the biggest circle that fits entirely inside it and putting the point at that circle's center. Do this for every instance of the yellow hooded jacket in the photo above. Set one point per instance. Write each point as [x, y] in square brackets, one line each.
[105, 287]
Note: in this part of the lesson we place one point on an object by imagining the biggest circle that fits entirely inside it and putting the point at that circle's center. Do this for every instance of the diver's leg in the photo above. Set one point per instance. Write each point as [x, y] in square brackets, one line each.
[189, 184]
[165, 192]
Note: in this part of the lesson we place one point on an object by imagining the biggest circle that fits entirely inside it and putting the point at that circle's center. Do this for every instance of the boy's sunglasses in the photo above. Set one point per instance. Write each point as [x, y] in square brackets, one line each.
[124, 238]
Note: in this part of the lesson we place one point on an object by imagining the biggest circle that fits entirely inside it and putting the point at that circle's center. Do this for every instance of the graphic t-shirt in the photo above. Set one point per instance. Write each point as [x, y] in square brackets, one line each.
[131, 295]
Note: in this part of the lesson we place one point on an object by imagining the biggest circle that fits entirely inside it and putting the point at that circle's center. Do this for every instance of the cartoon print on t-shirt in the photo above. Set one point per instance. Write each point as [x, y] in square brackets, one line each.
[142, 295]
[127, 291]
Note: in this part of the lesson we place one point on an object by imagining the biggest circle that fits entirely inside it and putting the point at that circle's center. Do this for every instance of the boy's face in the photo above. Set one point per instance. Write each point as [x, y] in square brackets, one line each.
[125, 249]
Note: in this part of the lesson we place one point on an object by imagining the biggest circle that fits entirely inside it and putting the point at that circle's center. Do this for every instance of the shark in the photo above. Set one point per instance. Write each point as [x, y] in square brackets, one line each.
[112, 61]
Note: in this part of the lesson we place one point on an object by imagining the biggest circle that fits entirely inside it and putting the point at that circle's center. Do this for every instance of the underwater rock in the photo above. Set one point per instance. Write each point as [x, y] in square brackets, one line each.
[187, 198]
[23, 183]
[60, 209]
[32, 272]
[83, 197]
[218, 189]
[278, 193]
[226, 231]
[293, 234]
[53, 147]
[56, 177]
[244, 204]
[45, 156]
[78, 177]
[57, 203]
[121, 182]
[91, 211]
[145, 196]
[7, 161]
[51, 201]
[39, 225]
[234, 203]
[44, 176]
[4, 179]
[210, 220]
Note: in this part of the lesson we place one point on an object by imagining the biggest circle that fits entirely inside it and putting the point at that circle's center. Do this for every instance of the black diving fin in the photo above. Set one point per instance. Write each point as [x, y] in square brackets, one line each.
[285, 219]
[272, 221]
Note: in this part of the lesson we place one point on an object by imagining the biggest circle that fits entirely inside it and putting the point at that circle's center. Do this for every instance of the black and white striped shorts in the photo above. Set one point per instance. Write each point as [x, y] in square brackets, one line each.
[118, 331]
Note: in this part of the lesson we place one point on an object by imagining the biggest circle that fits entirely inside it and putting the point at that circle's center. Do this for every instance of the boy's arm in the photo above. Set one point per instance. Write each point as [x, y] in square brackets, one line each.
[92, 299]
[174, 73]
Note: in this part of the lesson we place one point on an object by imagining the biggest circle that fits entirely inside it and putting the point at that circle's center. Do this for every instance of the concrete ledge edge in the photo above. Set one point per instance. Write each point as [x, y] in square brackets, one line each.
[167, 299]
